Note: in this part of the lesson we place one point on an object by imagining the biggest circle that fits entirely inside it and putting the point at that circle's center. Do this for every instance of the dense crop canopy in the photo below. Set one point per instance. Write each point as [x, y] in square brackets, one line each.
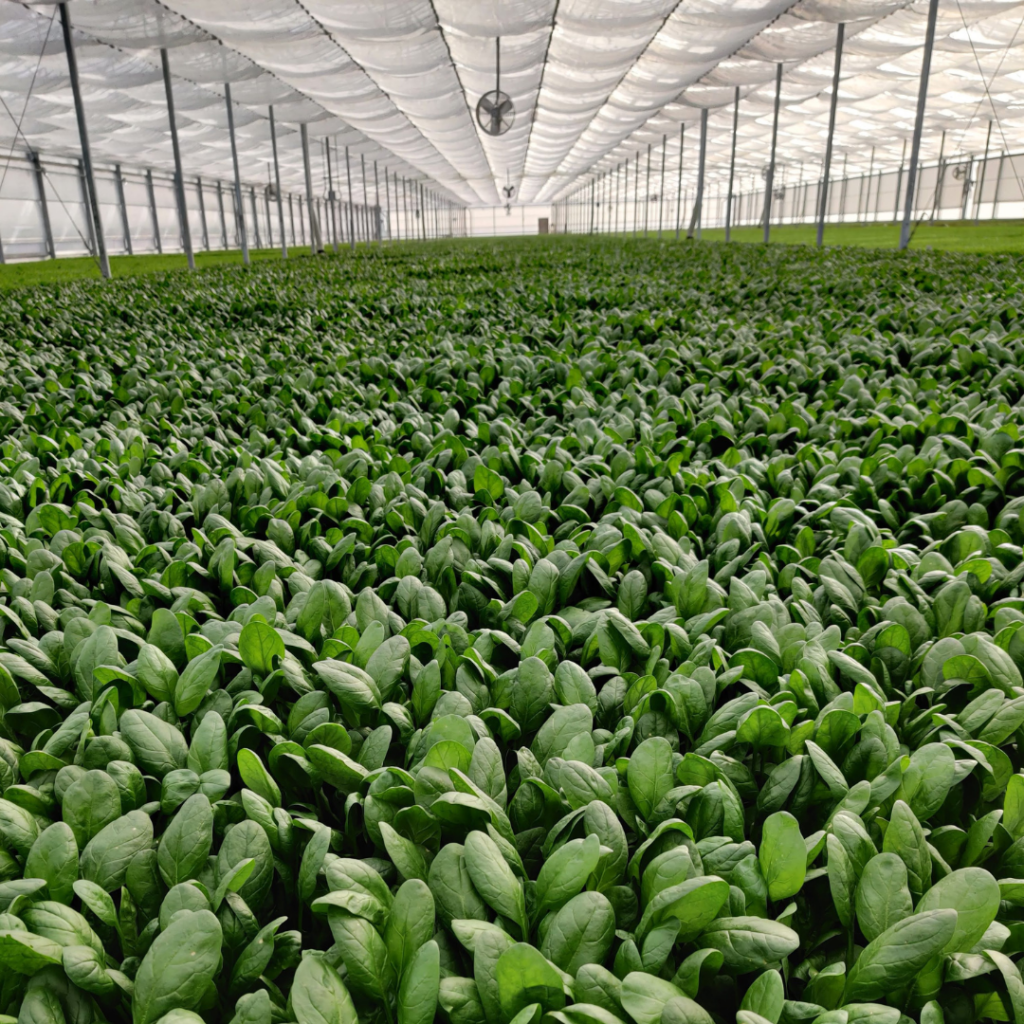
[513, 635]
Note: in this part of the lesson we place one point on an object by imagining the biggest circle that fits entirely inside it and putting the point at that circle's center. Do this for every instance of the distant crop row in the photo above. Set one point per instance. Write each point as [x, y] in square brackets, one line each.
[515, 635]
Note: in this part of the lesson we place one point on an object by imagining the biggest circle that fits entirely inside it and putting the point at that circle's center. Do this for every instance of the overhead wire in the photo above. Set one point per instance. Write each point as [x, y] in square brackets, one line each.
[28, 96]
[986, 86]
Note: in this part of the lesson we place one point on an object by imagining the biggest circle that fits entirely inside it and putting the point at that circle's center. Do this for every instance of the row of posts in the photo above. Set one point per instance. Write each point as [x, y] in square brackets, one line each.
[582, 203]
[435, 214]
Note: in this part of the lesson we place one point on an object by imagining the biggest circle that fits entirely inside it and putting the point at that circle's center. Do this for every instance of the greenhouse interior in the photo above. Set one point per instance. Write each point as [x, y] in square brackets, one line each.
[511, 512]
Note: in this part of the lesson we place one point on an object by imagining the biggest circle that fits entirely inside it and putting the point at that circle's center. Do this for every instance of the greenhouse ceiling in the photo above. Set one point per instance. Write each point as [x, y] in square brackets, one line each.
[593, 82]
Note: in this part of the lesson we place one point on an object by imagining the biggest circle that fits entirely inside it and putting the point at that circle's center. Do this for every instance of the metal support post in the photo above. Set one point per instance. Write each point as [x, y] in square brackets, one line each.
[867, 196]
[376, 201]
[202, 214]
[636, 194]
[270, 217]
[647, 190]
[255, 217]
[769, 183]
[44, 209]
[152, 210]
[940, 178]
[732, 165]
[179, 178]
[239, 211]
[842, 191]
[922, 98]
[999, 180]
[89, 226]
[331, 213]
[661, 187]
[291, 216]
[277, 187]
[223, 220]
[899, 183]
[93, 204]
[367, 219]
[351, 214]
[840, 28]
[679, 180]
[316, 244]
[125, 225]
[967, 188]
[698, 203]
[981, 178]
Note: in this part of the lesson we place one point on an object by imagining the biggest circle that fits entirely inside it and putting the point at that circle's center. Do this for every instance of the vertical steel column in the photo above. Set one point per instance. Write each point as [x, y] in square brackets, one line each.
[351, 212]
[376, 201]
[202, 214]
[239, 209]
[89, 226]
[842, 191]
[179, 178]
[44, 210]
[940, 178]
[922, 98]
[125, 225]
[661, 187]
[698, 203]
[387, 199]
[291, 216]
[277, 187]
[405, 209]
[999, 180]
[769, 183]
[967, 188]
[636, 194]
[899, 183]
[152, 210]
[93, 204]
[981, 179]
[679, 180]
[255, 216]
[331, 214]
[270, 217]
[302, 220]
[732, 164]
[647, 190]
[366, 198]
[823, 210]
[315, 242]
[626, 197]
[223, 220]
[871, 175]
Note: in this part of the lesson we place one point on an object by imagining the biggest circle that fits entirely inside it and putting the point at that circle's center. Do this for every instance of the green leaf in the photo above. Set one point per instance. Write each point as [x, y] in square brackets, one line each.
[891, 961]
[523, 976]
[179, 965]
[420, 985]
[260, 647]
[783, 855]
[883, 897]
[319, 996]
[581, 932]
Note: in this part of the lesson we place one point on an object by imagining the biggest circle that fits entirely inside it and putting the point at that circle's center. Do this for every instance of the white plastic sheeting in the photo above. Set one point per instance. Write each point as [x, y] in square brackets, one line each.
[593, 82]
